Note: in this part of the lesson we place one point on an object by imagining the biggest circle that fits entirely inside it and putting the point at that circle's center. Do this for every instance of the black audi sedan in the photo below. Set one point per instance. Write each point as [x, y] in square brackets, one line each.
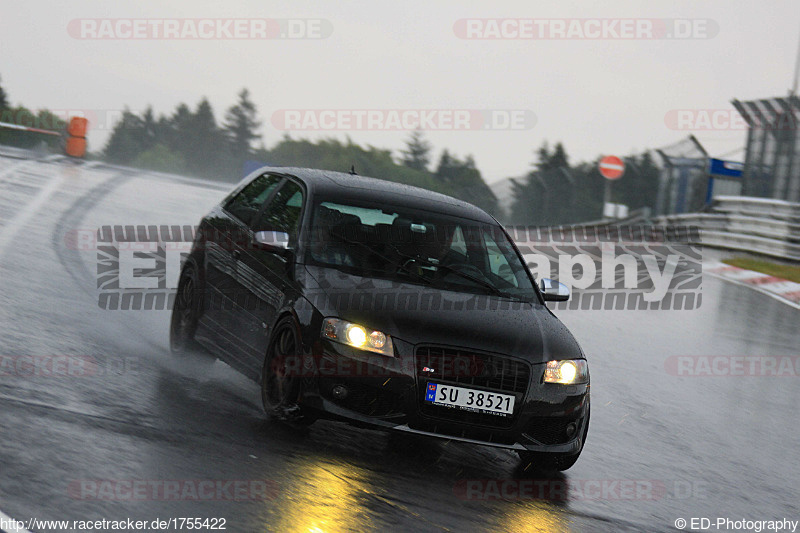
[386, 306]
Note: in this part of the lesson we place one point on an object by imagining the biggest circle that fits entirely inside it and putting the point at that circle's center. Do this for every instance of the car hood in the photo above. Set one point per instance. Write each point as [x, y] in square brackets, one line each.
[424, 315]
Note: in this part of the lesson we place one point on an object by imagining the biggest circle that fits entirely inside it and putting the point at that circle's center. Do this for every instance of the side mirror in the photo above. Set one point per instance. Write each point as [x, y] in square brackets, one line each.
[553, 291]
[276, 242]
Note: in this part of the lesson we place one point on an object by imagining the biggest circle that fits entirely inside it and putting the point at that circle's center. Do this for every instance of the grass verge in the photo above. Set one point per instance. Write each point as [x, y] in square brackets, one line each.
[790, 272]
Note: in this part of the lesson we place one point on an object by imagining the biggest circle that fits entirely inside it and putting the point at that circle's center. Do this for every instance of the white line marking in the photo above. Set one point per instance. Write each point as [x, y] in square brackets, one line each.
[7, 519]
[22, 218]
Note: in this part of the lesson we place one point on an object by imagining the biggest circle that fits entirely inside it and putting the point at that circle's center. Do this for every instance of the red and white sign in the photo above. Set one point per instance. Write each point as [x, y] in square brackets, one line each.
[612, 167]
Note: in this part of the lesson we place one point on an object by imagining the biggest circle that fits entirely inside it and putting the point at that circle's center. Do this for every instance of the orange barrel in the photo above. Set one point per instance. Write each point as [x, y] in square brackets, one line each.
[77, 127]
[76, 146]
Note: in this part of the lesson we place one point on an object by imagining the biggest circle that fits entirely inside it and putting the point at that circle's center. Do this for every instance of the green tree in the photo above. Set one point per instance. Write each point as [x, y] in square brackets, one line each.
[150, 129]
[589, 185]
[127, 139]
[160, 158]
[417, 152]
[3, 98]
[241, 125]
[180, 132]
[547, 194]
[465, 180]
[22, 116]
[207, 156]
[638, 187]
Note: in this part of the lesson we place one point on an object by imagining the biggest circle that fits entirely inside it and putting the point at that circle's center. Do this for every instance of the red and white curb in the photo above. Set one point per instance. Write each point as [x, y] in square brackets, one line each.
[780, 289]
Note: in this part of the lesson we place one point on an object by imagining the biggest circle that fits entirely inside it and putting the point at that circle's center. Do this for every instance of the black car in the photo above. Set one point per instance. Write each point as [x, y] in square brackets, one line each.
[386, 306]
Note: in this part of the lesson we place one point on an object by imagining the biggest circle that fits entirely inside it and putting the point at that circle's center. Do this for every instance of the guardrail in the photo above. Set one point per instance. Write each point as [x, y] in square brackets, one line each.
[758, 225]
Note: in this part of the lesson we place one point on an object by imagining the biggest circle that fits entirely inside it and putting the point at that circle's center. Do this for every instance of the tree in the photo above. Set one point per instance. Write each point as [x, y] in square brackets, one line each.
[465, 180]
[446, 168]
[241, 123]
[150, 131]
[546, 194]
[547, 160]
[162, 159]
[639, 186]
[207, 155]
[417, 152]
[126, 141]
[3, 98]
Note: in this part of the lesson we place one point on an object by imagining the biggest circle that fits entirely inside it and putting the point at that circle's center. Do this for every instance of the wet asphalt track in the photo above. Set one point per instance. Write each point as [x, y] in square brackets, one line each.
[714, 447]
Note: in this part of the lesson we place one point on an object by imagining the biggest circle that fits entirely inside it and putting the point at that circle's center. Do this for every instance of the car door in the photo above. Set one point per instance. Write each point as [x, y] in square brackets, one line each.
[265, 277]
[228, 227]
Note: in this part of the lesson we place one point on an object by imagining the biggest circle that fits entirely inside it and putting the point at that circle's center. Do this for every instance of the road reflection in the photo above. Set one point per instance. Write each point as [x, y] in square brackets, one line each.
[534, 517]
[322, 497]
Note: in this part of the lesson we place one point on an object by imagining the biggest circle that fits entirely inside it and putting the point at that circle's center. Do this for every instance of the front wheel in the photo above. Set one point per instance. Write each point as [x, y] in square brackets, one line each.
[280, 390]
[185, 313]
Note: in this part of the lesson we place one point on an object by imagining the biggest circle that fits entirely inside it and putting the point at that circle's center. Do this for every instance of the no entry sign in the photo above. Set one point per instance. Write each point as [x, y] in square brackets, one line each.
[612, 167]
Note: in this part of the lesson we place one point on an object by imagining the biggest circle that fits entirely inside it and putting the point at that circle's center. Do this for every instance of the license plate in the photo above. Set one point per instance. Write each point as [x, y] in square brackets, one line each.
[469, 399]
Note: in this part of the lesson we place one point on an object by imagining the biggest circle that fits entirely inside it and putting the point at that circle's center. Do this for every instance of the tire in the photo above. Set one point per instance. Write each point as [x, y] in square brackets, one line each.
[280, 392]
[185, 313]
[553, 462]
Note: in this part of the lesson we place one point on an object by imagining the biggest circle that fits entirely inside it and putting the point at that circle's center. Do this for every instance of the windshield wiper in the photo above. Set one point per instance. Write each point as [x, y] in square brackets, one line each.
[483, 283]
[488, 285]
[388, 260]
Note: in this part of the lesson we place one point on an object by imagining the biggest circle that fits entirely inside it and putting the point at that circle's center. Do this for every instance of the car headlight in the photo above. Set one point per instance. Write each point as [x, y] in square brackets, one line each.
[567, 372]
[357, 336]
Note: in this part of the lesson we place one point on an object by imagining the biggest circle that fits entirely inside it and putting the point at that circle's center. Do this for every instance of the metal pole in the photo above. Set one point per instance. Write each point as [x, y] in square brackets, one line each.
[606, 196]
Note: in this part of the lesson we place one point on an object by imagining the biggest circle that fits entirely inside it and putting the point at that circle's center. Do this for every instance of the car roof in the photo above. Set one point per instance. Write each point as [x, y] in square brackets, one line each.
[351, 186]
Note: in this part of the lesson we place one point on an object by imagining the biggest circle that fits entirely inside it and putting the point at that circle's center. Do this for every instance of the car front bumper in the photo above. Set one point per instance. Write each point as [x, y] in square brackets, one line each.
[388, 395]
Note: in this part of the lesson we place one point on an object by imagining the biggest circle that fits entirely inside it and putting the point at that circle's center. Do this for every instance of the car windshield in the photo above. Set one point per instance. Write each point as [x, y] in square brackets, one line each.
[416, 246]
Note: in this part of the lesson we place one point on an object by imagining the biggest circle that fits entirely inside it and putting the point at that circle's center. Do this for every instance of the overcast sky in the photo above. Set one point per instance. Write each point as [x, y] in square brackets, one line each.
[597, 96]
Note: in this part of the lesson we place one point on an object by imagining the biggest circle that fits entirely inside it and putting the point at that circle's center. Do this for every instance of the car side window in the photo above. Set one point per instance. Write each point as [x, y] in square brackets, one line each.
[249, 200]
[458, 242]
[498, 264]
[283, 211]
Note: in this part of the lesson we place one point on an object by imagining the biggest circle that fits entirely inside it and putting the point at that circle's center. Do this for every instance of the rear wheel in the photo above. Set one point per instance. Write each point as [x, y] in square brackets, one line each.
[553, 462]
[185, 313]
[280, 390]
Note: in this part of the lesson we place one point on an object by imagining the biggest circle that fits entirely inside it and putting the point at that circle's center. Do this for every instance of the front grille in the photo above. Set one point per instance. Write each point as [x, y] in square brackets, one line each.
[549, 430]
[471, 370]
[468, 369]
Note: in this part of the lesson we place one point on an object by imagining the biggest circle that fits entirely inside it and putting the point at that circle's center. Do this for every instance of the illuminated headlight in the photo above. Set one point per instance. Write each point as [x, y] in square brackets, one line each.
[567, 372]
[357, 336]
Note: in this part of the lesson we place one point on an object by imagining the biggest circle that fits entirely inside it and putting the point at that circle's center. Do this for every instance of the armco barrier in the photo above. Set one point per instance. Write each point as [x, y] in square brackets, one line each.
[758, 207]
[758, 225]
